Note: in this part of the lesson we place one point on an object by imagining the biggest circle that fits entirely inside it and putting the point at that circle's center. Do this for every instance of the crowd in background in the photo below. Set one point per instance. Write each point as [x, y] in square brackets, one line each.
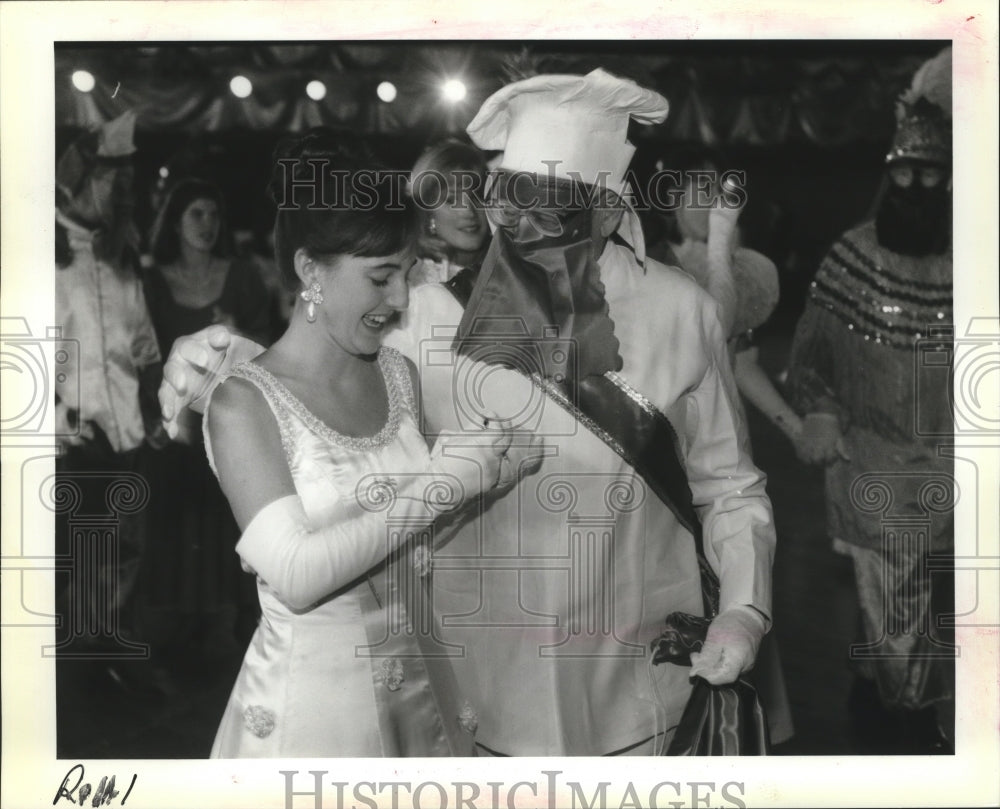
[132, 288]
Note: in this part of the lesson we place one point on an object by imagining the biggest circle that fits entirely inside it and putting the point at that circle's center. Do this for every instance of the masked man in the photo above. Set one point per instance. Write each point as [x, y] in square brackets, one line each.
[883, 293]
[548, 599]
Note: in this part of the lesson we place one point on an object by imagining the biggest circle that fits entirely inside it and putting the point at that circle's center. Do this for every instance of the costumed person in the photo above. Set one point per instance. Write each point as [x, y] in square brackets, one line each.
[880, 295]
[447, 182]
[317, 448]
[564, 582]
[106, 406]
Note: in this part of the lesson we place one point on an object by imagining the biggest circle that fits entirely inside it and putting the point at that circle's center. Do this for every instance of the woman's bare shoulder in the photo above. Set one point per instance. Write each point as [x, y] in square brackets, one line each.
[237, 400]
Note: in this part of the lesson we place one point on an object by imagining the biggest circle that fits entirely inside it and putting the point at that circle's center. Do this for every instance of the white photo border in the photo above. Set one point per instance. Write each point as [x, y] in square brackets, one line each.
[31, 773]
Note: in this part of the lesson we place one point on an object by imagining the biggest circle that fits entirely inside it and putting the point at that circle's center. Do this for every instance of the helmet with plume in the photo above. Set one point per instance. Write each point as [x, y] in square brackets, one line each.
[923, 114]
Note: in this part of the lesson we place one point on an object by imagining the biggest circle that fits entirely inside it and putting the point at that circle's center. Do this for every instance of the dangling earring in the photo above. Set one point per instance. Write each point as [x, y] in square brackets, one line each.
[432, 227]
[313, 295]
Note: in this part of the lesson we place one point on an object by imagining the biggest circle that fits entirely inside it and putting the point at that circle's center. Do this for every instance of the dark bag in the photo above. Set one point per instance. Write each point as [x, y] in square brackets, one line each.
[718, 720]
[721, 720]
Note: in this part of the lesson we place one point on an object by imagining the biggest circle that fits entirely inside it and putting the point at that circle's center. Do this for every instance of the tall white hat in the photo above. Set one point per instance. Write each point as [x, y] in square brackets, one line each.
[573, 127]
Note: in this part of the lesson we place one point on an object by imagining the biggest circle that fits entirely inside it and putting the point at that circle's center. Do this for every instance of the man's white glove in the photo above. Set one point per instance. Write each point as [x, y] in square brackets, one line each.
[193, 369]
[730, 646]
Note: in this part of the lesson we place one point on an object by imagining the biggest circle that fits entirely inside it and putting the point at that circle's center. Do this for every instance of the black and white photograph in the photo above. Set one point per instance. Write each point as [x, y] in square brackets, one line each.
[387, 388]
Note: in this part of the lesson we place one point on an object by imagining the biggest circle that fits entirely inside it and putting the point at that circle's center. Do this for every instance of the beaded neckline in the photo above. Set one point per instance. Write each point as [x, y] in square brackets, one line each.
[390, 374]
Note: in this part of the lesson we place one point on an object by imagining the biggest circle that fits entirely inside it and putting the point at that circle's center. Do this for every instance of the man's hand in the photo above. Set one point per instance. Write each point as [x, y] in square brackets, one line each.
[730, 646]
[820, 441]
[193, 369]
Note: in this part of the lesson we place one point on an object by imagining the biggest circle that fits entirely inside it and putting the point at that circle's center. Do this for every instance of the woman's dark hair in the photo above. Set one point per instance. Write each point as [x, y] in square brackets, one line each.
[334, 198]
[164, 240]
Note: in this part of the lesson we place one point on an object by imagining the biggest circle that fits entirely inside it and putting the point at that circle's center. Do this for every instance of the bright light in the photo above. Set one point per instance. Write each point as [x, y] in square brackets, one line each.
[386, 91]
[83, 80]
[453, 90]
[240, 86]
[316, 90]
[164, 172]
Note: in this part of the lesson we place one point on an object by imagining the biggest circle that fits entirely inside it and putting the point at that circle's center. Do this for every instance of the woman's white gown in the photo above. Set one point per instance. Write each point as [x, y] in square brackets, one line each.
[348, 676]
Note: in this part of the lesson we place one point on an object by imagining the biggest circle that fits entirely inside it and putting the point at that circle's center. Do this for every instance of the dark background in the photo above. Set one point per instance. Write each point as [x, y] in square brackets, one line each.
[809, 122]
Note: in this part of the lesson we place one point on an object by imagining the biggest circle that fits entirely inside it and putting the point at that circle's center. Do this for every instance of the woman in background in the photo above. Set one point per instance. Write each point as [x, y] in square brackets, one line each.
[196, 590]
[447, 183]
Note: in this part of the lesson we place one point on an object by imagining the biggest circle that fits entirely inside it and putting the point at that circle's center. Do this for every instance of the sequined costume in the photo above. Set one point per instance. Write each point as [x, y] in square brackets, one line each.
[875, 328]
[344, 677]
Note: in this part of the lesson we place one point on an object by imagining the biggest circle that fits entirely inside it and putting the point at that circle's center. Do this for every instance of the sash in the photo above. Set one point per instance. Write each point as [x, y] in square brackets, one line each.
[635, 429]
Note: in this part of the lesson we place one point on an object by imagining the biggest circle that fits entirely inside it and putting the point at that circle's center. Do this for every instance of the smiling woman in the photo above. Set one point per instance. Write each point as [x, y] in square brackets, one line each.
[344, 241]
[313, 442]
[447, 184]
[367, 294]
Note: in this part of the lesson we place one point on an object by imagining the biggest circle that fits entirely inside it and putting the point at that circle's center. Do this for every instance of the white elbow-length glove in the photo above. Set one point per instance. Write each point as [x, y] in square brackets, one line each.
[302, 564]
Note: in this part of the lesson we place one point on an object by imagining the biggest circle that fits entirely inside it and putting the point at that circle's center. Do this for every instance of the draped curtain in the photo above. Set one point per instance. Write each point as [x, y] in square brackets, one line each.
[751, 99]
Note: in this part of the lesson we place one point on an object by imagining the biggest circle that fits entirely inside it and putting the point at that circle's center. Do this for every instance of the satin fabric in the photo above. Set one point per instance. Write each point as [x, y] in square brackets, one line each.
[347, 676]
[725, 720]
[556, 590]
